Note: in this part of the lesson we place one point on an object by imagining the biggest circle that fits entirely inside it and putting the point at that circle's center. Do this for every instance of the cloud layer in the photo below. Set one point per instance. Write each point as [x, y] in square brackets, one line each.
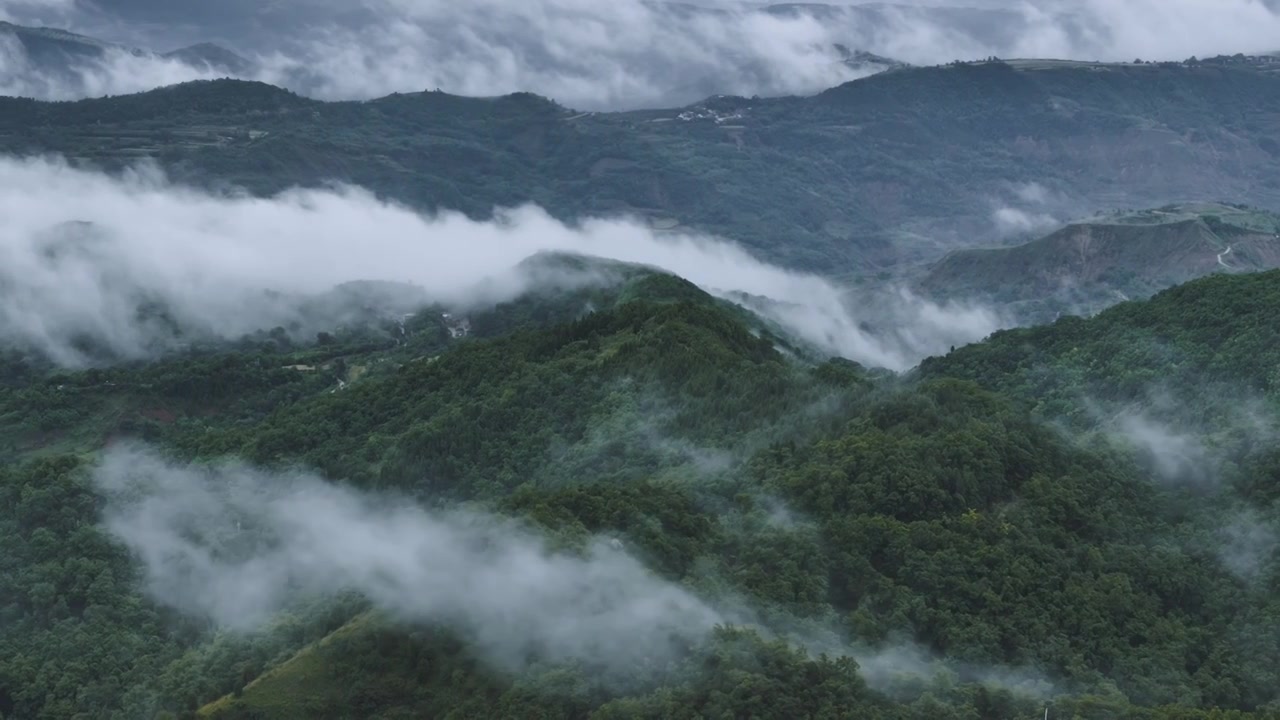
[235, 545]
[626, 53]
[89, 271]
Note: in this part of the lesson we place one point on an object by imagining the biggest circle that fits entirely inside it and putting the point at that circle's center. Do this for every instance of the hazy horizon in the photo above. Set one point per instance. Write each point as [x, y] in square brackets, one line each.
[607, 56]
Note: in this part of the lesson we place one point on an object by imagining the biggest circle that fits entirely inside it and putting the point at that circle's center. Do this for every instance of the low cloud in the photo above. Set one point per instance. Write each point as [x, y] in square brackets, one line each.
[1033, 193]
[908, 670]
[135, 255]
[925, 328]
[115, 72]
[1204, 442]
[634, 53]
[1191, 442]
[585, 54]
[1176, 456]
[1031, 209]
[1247, 544]
[1013, 221]
[236, 546]
[27, 9]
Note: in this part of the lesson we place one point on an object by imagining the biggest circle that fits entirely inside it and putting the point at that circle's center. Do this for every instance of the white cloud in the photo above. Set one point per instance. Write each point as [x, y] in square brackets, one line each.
[18, 9]
[1014, 221]
[79, 270]
[625, 53]
[590, 55]
[236, 546]
[1248, 543]
[1175, 29]
[1033, 193]
[633, 53]
[907, 670]
[117, 72]
[1176, 456]
[1030, 208]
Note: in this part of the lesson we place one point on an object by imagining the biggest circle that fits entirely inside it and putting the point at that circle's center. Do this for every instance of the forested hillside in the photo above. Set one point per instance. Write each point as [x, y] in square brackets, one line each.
[827, 541]
[896, 168]
[1191, 340]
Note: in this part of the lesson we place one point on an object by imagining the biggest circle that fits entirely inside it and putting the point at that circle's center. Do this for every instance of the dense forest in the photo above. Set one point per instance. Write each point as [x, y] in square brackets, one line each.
[991, 536]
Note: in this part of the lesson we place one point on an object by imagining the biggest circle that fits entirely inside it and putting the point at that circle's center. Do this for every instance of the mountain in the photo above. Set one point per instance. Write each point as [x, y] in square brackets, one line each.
[1090, 265]
[213, 56]
[906, 547]
[894, 169]
[723, 63]
[53, 47]
[52, 50]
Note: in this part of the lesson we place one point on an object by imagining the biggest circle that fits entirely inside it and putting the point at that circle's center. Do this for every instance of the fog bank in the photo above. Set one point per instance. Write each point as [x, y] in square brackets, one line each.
[620, 54]
[134, 255]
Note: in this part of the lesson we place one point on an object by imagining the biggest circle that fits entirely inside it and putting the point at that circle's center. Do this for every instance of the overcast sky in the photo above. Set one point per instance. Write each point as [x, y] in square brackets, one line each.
[249, 22]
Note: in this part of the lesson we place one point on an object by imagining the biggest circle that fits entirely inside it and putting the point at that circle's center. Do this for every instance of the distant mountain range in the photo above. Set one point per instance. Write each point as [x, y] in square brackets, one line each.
[881, 173]
[51, 49]
[46, 54]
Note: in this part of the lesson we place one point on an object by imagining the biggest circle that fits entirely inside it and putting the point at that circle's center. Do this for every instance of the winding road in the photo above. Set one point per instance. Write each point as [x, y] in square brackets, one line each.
[1222, 255]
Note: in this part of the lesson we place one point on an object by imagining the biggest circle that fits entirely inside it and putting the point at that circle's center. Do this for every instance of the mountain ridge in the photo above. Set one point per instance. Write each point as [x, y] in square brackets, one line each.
[1091, 264]
[892, 169]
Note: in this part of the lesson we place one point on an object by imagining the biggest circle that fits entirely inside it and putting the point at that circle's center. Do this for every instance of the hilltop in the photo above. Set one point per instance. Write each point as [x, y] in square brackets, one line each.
[894, 169]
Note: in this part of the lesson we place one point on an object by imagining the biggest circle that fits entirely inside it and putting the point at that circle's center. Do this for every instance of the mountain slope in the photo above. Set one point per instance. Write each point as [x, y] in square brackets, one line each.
[56, 51]
[949, 540]
[53, 47]
[1091, 265]
[1200, 358]
[896, 168]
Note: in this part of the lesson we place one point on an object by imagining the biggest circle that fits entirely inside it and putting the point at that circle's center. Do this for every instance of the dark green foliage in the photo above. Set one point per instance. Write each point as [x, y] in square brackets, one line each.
[76, 635]
[863, 513]
[1190, 339]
